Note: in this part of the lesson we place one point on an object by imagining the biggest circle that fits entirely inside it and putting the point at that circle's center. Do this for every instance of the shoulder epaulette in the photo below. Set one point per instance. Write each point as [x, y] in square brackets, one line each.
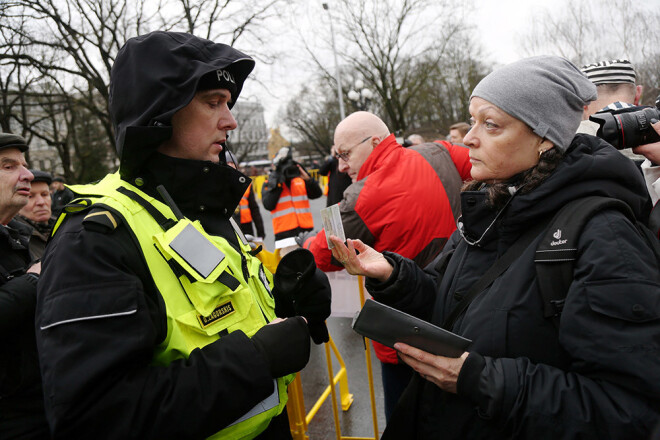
[101, 220]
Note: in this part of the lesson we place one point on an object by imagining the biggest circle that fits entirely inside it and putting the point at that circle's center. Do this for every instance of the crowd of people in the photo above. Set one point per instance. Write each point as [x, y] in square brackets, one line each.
[137, 306]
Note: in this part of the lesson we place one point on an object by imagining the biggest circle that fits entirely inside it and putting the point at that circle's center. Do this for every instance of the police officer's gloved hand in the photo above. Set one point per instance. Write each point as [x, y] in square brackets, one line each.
[285, 345]
[302, 289]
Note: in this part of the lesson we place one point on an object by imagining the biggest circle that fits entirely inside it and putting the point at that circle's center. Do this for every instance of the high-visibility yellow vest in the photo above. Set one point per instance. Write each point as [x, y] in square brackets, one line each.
[244, 207]
[292, 210]
[199, 306]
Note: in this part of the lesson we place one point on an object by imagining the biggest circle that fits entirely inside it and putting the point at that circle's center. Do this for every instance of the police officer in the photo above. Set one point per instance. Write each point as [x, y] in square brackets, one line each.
[152, 313]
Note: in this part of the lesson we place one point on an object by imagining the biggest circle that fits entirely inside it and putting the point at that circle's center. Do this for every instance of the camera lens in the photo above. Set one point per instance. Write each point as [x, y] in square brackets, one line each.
[636, 128]
[627, 130]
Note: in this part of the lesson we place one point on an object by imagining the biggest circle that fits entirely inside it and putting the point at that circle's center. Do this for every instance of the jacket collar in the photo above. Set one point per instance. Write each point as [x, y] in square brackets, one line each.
[202, 190]
[379, 156]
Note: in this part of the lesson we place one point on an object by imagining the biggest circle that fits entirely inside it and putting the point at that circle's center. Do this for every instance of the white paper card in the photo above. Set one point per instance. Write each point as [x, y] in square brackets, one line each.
[332, 223]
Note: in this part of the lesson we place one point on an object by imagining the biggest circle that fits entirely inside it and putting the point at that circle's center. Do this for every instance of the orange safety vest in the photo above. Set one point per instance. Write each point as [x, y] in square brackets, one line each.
[244, 208]
[292, 210]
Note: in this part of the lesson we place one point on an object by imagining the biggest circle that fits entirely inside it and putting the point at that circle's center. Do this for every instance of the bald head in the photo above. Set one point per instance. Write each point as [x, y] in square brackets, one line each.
[361, 124]
[355, 139]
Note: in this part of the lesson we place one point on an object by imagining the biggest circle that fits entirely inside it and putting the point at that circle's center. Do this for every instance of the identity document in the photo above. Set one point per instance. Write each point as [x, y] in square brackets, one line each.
[332, 223]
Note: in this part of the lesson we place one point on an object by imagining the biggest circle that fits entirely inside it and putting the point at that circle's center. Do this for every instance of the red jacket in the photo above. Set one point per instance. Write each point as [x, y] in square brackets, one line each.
[461, 158]
[406, 200]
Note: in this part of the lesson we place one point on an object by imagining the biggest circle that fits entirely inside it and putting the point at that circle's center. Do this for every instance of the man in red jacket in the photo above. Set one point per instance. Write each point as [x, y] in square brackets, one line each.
[404, 200]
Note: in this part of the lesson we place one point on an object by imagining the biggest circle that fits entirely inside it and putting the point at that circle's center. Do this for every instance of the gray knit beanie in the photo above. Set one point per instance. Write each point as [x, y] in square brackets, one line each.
[546, 92]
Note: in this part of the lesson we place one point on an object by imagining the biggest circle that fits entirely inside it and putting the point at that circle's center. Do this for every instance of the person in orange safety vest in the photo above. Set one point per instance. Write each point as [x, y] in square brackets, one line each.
[286, 195]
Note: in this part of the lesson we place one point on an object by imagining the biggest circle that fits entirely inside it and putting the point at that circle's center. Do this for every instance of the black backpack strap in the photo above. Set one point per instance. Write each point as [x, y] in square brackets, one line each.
[500, 265]
[557, 251]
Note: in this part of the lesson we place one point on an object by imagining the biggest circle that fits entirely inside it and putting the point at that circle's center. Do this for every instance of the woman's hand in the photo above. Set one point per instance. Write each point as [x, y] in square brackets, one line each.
[442, 371]
[368, 262]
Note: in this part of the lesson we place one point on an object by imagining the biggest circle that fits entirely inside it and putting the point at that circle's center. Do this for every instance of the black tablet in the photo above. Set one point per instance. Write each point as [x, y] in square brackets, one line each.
[388, 326]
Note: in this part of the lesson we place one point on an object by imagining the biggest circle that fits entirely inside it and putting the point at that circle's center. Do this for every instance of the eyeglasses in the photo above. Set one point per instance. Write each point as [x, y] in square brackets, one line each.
[344, 156]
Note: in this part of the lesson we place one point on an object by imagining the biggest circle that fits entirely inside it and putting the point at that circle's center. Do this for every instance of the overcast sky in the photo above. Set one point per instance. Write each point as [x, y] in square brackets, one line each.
[500, 25]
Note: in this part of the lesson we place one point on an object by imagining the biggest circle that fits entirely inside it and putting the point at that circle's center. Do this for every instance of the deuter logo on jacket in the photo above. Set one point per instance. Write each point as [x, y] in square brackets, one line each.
[557, 235]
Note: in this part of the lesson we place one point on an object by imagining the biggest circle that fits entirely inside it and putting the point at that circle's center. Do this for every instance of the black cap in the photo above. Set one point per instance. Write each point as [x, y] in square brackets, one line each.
[41, 176]
[10, 140]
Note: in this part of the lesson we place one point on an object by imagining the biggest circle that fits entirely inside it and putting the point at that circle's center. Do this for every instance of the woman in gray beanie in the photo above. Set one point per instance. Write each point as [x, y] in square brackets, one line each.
[590, 370]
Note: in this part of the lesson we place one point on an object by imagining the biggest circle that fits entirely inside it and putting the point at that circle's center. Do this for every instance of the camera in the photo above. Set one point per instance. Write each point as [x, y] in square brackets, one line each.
[630, 128]
[288, 168]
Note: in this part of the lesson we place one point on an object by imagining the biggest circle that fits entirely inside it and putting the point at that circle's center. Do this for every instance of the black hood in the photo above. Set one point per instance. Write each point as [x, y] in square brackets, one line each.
[155, 75]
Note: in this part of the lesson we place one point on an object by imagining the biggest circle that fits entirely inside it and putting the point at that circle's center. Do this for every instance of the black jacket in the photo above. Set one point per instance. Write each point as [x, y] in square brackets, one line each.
[337, 181]
[21, 397]
[598, 376]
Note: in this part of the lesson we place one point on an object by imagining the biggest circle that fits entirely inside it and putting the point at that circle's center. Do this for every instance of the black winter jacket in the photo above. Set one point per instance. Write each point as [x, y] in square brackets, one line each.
[337, 181]
[598, 375]
[21, 397]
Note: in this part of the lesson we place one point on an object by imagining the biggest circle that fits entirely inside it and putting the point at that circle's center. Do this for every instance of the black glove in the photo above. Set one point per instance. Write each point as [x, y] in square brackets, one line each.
[285, 345]
[302, 289]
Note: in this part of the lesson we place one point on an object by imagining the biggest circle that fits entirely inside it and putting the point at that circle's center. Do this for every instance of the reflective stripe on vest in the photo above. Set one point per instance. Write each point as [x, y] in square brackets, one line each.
[224, 310]
[244, 207]
[292, 210]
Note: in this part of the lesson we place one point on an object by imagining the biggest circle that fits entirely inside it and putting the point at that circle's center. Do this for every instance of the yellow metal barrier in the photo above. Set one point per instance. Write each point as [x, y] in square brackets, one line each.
[270, 260]
[296, 406]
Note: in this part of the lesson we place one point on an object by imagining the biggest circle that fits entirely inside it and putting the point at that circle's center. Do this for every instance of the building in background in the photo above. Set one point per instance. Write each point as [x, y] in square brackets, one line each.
[275, 142]
[249, 141]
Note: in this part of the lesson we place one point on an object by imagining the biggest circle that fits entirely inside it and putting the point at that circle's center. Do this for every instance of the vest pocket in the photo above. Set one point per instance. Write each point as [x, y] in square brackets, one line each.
[233, 310]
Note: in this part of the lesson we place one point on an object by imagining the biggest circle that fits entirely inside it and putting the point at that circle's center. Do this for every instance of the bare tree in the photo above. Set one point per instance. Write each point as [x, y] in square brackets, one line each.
[585, 32]
[385, 42]
[426, 91]
[313, 115]
[443, 99]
